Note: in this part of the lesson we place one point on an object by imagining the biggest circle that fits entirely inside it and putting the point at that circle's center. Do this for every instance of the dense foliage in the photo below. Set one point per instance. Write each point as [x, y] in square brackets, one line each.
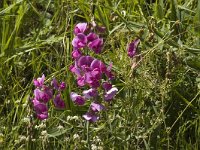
[157, 105]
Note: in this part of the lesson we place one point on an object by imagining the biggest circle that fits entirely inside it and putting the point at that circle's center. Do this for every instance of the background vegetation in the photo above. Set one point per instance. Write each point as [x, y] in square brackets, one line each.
[157, 106]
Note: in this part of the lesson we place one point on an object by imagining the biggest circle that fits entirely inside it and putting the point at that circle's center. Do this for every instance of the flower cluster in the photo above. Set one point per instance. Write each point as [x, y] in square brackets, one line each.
[90, 72]
[84, 39]
[43, 94]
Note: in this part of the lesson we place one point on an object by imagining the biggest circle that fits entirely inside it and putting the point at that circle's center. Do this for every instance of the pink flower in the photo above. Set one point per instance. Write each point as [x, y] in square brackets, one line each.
[110, 94]
[107, 86]
[40, 109]
[79, 41]
[39, 82]
[132, 48]
[98, 64]
[80, 28]
[76, 53]
[55, 84]
[77, 99]
[96, 45]
[74, 69]
[62, 86]
[90, 116]
[91, 37]
[58, 102]
[95, 107]
[58, 86]
[43, 95]
[81, 81]
[90, 93]
[84, 62]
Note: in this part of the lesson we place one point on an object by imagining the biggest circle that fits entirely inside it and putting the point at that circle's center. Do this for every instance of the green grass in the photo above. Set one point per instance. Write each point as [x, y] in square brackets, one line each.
[158, 103]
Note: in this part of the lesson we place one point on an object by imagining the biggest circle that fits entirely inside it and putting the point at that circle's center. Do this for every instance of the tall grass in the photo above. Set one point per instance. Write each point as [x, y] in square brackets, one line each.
[157, 106]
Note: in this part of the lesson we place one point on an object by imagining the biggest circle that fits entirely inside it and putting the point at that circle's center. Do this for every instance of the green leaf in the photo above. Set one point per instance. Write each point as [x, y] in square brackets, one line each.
[194, 62]
[57, 132]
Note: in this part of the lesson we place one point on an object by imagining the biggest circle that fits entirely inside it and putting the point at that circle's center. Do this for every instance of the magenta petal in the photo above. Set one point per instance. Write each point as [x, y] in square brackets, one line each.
[91, 37]
[98, 64]
[87, 117]
[47, 94]
[42, 116]
[80, 28]
[37, 94]
[85, 61]
[75, 70]
[107, 86]
[110, 94]
[76, 53]
[41, 111]
[90, 117]
[55, 84]
[58, 102]
[62, 86]
[43, 95]
[110, 75]
[90, 93]
[75, 42]
[36, 83]
[77, 99]
[132, 47]
[79, 41]
[96, 45]
[40, 107]
[94, 84]
[39, 82]
[96, 74]
[81, 81]
[96, 107]
[35, 102]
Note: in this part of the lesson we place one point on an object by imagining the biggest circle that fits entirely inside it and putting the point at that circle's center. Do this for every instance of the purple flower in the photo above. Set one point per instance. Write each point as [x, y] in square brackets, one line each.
[58, 86]
[62, 86]
[96, 45]
[39, 82]
[91, 80]
[35, 102]
[43, 95]
[91, 37]
[40, 109]
[90, 116]
[110, 75]
[48, 93]
[110, 94]
[77, 99]
[55, 84]
[95, 107]
[90, 93]
[85, 62]
[58, 102]
[79, 41]
[132, 47]
[98, 64]
[74, 69]
[76, 53]
[96, 73]
[107, 86]
[81, 81]
[80, 28]
[89, 71]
